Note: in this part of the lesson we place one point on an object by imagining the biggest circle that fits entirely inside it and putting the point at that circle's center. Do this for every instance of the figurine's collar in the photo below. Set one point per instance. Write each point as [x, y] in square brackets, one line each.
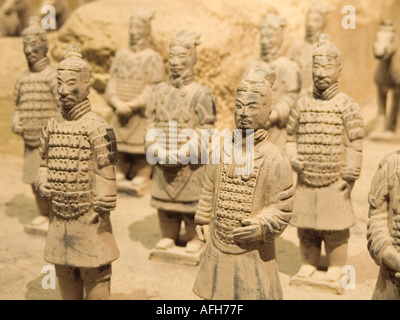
[327, 94]
[77, 111]
[184, 80]
[272, 55]
[140, 46]
[40, 65]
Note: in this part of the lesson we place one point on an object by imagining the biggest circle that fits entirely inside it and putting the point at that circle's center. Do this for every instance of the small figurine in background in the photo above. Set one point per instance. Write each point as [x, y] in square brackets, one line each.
[240, 214]
[77, 175]
[175, 107]
[301, 50]
[133, 75]
[387, 78]
[36, 101]
[324, 145]
[384, 226]
[287, 85]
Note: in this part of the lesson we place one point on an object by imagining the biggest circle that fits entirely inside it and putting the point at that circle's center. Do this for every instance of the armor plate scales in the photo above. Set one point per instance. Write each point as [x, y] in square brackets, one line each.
[36, 104]
[320, 142]
[234, 204]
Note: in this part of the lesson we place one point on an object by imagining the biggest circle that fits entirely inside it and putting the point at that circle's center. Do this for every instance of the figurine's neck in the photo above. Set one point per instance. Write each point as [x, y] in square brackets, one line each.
[259, 135]
[186, 78]
[312, 38]
[141, 45]
[40, 65]
[328, 93]
[77, 111]
[272, 55]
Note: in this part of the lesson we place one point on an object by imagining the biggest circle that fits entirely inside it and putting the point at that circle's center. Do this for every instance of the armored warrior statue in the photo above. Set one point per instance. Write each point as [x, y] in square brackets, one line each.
[241, 213]
[77, 175]
[325, 132]
[384, 225]
[287, 85]
[133, 75]
[301, 50]
[36, 101]
[175, 106]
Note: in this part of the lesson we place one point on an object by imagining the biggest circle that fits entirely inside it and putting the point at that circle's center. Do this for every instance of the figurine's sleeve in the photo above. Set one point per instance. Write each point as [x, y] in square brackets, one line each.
[279, 190]
[205, 205]
[291, 128]
[16, 116]
[104, 147]
[292, 86]
[41, 177]
[354, 128]
[111, 89]
[377, 227]
[150, 115]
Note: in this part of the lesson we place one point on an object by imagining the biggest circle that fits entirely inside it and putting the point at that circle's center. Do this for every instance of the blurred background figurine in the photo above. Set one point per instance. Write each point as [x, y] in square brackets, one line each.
[134, 73]
[176, 105]
[287, 85]
[22, 9]
[387, 79]
[324, 145]
[240, 214]
[36, 101]
[77, 175]
[301, 50]
[384, 225]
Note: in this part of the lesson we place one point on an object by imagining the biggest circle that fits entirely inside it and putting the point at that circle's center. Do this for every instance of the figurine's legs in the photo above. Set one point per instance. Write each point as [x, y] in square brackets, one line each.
[310, 250]
[141, 169]
[170, 225]
[392, 117]
[193, 244]
[123, 166]
[336, 243]
[97, 282]
[44, 210]
[69, 282]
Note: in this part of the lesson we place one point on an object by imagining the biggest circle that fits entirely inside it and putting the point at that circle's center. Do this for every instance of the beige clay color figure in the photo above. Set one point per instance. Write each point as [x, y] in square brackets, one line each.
[77, 175]
[384, 225]
[133, 75]
[178, 105]
[325, 131]
[387, 79]
[301, 50]
[241, 214]
[287, 85]
[36, 101]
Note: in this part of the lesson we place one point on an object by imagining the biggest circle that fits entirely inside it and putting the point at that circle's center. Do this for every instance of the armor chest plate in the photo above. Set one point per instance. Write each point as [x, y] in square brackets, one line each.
[234, 203]
[70, 172]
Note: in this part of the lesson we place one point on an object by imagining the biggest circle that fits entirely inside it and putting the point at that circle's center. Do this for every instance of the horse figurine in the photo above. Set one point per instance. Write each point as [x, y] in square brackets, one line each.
[24, 9]
[387, 76]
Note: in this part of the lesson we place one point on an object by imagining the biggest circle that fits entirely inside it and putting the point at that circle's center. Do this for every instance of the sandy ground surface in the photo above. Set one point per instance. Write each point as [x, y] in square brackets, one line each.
[136, 230]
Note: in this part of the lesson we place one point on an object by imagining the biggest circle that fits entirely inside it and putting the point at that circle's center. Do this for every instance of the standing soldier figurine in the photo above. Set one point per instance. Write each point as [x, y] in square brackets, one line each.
[36, 101]
[241, 214]
[77, 175]
[325, 132]
[384, 225]
[287, 85]
[301, 50]
[178, 104]
[134, 74]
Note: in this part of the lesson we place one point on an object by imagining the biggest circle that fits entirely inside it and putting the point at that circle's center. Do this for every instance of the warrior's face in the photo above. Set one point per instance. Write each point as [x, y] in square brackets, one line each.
[270, 39]
[72, 88]
[180, 60]
[252, 110]
[326, 71]
[138, 32]
[34, 49]
[315, 23]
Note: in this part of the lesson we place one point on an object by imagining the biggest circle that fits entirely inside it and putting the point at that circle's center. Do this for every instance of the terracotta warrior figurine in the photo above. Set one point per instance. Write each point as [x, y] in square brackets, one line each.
[325, 131]
[133, 75]
[77, 174]
[240, 214]
[301, 50]
[287, 85]
[384, 225]
[36, 101]
[178, 105]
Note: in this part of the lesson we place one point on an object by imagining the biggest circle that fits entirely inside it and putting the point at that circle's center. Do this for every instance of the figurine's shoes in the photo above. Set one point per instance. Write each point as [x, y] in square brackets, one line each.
[194, 246]
[334, 274]
[305, 271]
[38, 226]
[165, 244]
[138, 186]
[120, 176]
[39, 220]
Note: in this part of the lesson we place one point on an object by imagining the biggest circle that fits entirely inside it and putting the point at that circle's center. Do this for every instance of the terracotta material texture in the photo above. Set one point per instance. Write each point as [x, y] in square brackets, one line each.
[134, 74]
[241, 214]
[176, 105]
[77, 175]
[325, 131]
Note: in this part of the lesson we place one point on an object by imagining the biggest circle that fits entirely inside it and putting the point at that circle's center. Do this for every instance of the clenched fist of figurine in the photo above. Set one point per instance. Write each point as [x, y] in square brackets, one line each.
[105, 204]
[251, 231]
[202, 232]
